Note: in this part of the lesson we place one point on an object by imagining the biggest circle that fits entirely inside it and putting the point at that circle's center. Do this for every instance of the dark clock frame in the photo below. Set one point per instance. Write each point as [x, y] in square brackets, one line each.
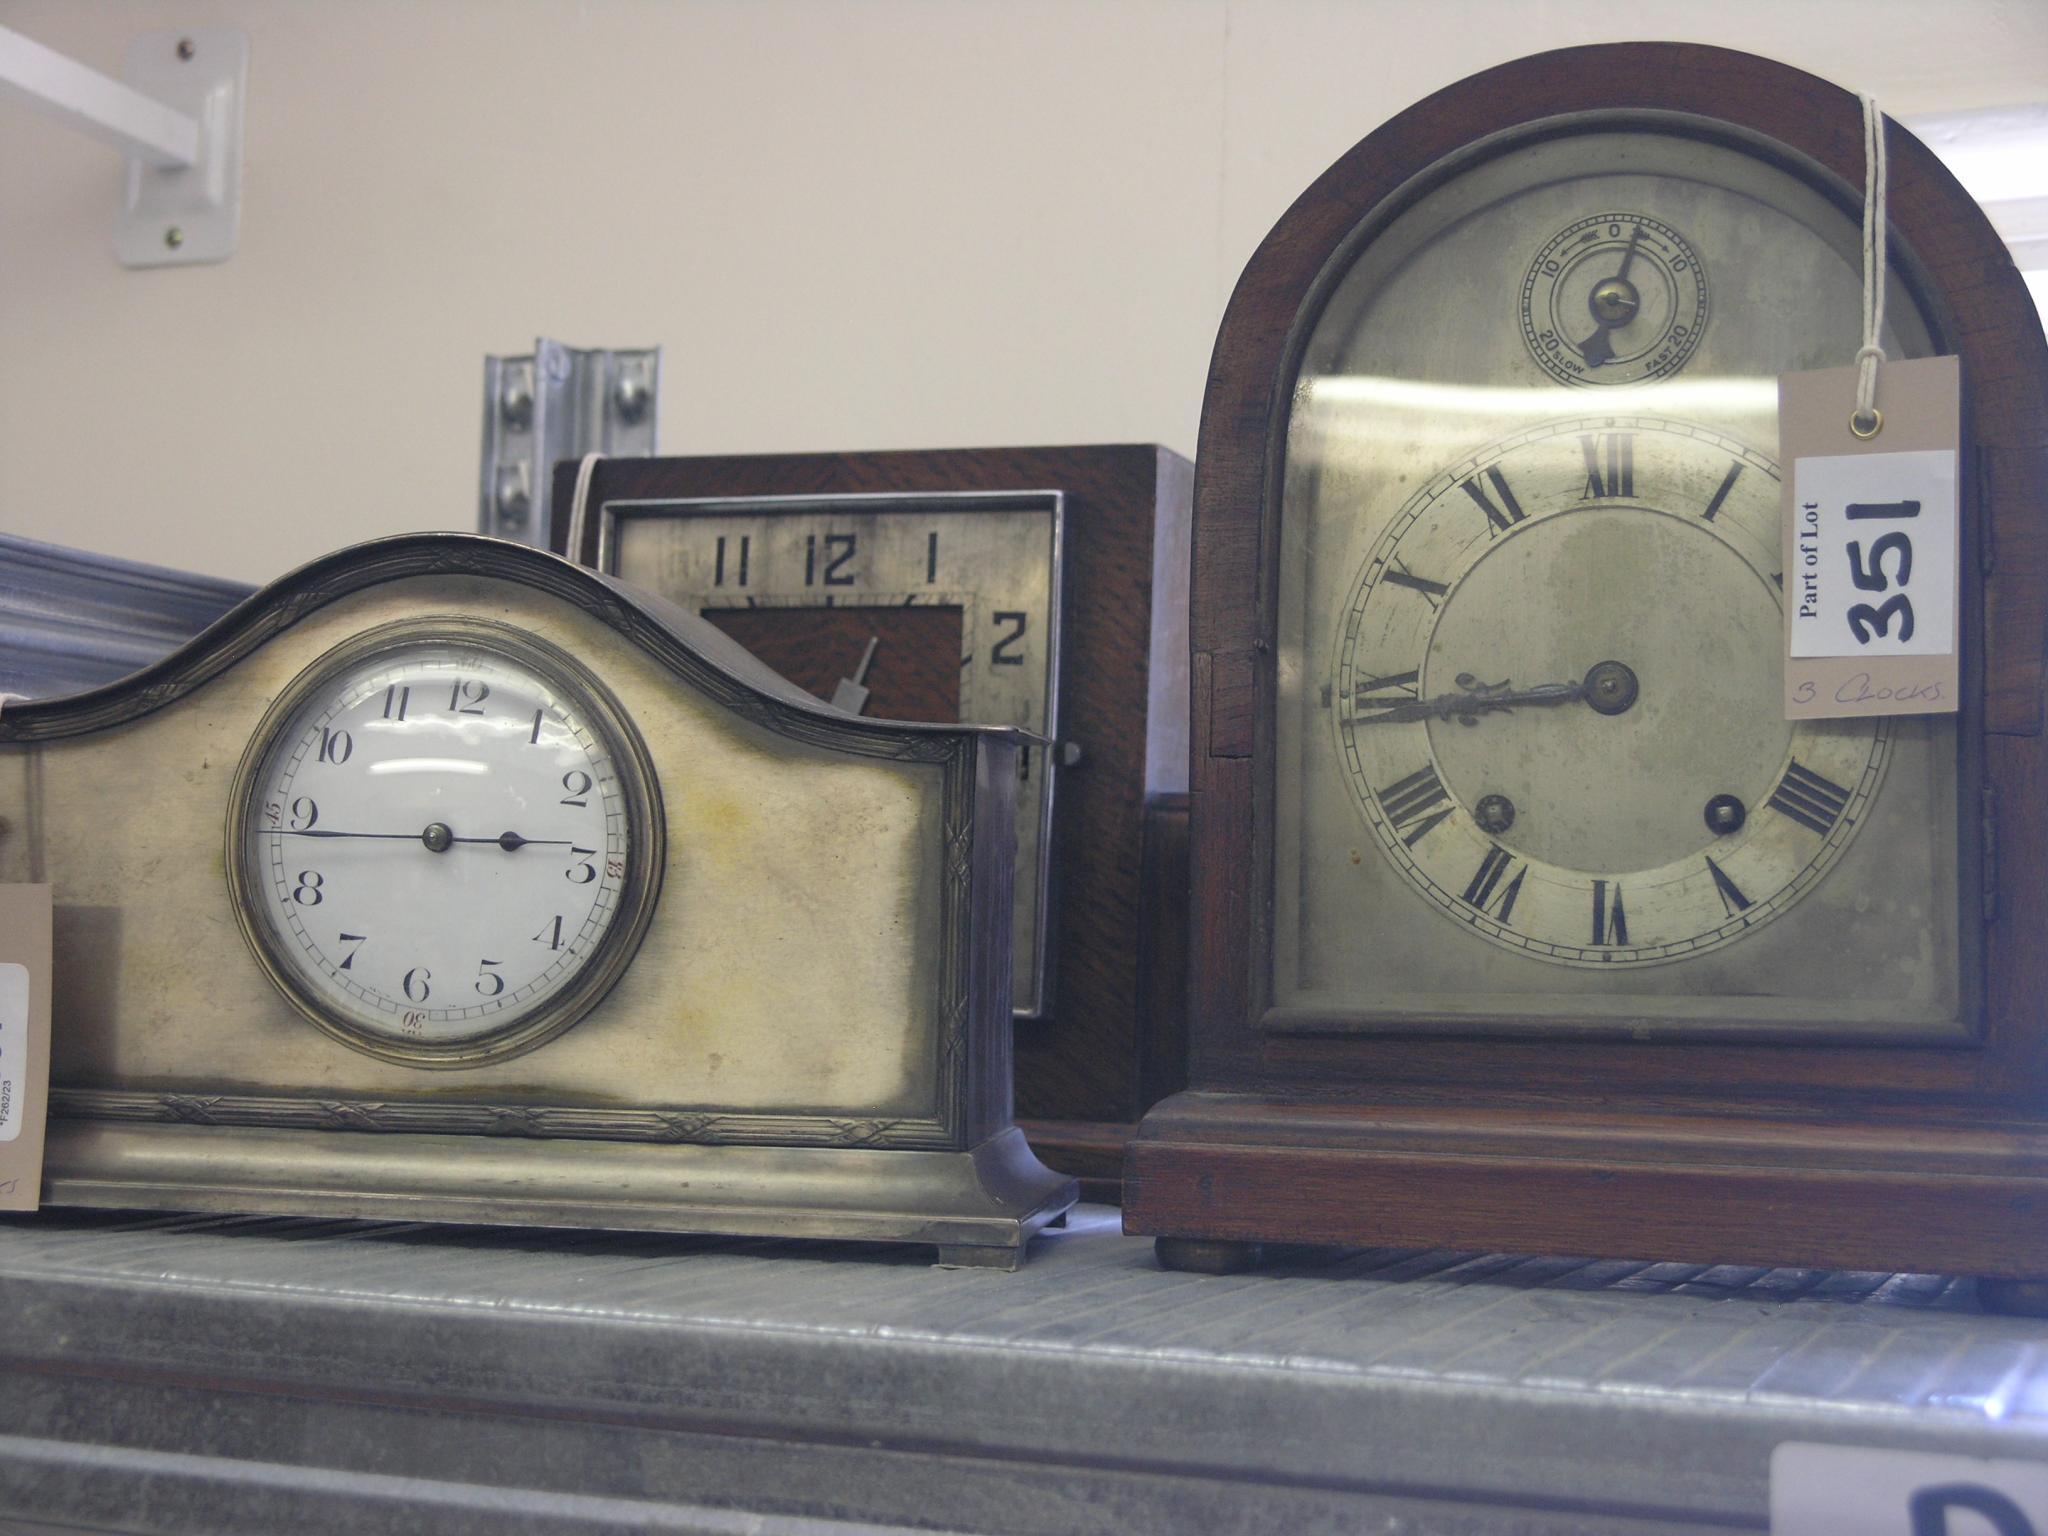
[1915, 1156]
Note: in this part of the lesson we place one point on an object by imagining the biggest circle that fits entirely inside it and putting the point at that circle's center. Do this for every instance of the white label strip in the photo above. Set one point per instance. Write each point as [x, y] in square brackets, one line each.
[1875, 572]
[1847, 1490]
[14, 1048]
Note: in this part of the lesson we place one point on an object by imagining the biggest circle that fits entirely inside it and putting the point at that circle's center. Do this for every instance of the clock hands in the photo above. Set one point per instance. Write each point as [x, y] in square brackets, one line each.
[437, 837]
[852, 695]
[1614, 303]
[1609, 689]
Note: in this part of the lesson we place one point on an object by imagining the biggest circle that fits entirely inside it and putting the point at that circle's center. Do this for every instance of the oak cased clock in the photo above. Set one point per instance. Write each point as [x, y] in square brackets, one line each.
[1041, 588]
[1524, 918]
[446, 880]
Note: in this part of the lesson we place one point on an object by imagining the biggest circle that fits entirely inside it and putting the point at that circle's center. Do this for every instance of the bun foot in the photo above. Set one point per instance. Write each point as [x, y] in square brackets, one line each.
[1203, 1256]
[2013, 1298]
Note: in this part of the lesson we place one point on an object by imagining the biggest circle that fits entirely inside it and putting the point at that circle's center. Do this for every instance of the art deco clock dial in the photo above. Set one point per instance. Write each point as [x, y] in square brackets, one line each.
[1038, 587]
[445, 842]
[916, 607]
[1525, 920]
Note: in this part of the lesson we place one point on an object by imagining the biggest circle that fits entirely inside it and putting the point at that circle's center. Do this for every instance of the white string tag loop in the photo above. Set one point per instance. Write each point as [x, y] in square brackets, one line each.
[1866, 421]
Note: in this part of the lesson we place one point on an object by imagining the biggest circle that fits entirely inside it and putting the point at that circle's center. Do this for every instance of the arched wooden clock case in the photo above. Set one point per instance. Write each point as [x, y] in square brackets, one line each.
[1627, 1133]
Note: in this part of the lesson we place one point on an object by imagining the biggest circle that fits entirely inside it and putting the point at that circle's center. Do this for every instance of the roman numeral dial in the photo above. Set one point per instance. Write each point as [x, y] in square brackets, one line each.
[1554, 699]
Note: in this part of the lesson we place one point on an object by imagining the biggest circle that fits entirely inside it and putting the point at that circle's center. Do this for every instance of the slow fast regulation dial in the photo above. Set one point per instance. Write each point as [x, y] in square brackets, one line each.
[1555, 697]
[445, 842]
[1614, 298]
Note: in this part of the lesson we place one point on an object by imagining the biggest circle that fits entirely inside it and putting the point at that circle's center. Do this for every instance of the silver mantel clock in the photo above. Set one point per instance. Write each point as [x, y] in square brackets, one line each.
[444, 879]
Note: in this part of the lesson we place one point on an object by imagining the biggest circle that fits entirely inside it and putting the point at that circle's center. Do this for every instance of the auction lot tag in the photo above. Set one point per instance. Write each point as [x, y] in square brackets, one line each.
[1872, 543]
[24, 1041]
[1846, 1490]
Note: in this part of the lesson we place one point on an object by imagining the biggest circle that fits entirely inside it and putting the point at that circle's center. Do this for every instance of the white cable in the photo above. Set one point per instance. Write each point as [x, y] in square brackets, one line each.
[1867, 420]
[579, 505]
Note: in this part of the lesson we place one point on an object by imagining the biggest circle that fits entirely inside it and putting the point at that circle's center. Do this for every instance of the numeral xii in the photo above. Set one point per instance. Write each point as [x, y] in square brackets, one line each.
[1610, 464]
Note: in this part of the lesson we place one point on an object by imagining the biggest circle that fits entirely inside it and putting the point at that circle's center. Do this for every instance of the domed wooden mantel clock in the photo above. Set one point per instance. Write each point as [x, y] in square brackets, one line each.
[1525, 921]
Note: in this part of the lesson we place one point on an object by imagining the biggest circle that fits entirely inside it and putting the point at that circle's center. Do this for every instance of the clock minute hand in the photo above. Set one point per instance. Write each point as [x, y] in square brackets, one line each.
[1610, 687]
[1629, 255]
[1473, 699]
[404, 837]
[436, 837]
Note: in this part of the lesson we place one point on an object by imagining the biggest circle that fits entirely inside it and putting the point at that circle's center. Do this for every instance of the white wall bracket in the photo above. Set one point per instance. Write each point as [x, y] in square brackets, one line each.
[176, 113]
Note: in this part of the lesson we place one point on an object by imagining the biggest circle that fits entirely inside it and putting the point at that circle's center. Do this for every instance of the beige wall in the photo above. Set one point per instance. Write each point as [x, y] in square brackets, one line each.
[873, 223]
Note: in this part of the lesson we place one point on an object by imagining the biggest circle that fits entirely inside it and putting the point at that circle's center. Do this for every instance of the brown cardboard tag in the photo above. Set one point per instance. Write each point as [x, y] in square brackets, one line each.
[24, 1042]
[1872, 542]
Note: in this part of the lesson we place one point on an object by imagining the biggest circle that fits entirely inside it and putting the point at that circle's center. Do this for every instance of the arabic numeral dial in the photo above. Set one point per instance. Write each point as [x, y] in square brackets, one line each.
[418, 803]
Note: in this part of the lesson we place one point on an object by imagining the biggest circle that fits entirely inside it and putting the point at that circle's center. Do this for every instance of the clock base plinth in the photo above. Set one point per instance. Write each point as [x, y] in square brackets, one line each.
[1941, 1198]
[1201, 1256]
[980, 1206]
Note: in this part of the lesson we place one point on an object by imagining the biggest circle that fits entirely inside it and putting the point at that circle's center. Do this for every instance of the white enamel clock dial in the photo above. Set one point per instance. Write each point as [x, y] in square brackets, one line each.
[1531, 766]
[445, 842]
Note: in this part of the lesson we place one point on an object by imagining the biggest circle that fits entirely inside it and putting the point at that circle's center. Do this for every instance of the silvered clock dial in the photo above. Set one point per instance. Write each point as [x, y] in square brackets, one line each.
[445, 842]
[1554, 697]
[1532, 762]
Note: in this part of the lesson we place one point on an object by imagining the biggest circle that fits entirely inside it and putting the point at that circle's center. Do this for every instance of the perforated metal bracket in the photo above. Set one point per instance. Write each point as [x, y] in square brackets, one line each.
[177, 215]
[560, 403]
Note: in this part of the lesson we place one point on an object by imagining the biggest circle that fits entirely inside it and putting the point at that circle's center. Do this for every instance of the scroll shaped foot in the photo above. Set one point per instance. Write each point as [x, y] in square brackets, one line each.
[2013, 1298]
[1205, 1256]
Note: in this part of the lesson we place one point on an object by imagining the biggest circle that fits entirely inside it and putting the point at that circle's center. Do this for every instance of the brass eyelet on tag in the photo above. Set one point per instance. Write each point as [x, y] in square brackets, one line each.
[1876, 423]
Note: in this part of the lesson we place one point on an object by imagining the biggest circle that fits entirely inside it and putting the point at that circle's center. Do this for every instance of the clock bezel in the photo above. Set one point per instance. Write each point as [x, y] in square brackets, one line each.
[1556, 1023]
[600, 712]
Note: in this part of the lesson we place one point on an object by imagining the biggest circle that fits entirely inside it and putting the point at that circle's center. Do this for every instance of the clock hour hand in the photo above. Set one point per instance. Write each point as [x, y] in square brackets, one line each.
[851, 695]
[1610, 688]
[512, 842]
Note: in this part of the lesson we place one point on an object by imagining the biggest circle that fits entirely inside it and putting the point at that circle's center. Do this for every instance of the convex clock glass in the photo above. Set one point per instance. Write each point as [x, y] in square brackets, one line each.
[445, 841]
[1531, 762]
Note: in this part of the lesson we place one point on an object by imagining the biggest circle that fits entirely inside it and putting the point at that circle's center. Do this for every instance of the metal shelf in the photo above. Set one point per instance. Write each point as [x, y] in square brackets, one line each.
[188, 1374]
